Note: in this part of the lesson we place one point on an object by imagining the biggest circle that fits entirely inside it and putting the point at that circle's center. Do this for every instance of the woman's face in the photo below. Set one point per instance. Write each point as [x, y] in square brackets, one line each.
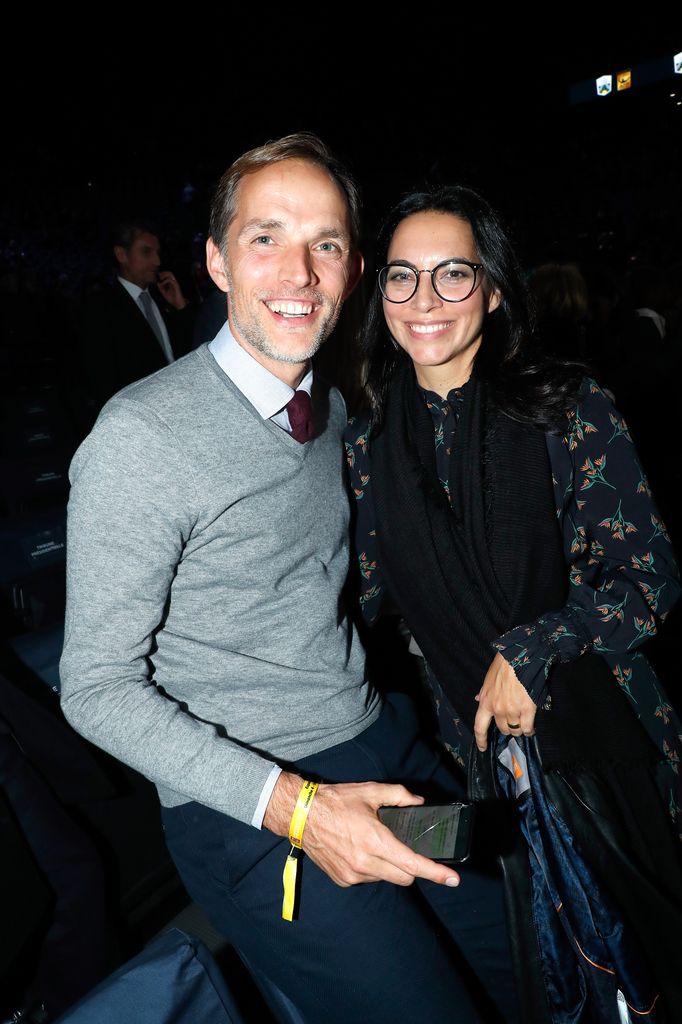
[441, 338]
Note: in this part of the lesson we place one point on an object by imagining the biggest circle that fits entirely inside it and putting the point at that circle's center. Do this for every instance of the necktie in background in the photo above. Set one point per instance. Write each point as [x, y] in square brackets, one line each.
[300, 413]
[148, 310]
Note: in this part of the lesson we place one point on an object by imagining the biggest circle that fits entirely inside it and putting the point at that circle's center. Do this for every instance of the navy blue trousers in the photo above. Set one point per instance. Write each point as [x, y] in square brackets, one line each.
[377, 952]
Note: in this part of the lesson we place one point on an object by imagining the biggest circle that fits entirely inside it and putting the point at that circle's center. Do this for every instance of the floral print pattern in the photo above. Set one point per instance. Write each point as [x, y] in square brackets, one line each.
[618, 555]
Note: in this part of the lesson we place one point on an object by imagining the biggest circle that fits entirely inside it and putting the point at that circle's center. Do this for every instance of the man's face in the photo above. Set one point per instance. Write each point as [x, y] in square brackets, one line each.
[140, 262]
[289, 262]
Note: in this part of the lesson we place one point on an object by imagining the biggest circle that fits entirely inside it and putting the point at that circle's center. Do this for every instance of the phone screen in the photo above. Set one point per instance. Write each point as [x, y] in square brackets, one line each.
[440, 833]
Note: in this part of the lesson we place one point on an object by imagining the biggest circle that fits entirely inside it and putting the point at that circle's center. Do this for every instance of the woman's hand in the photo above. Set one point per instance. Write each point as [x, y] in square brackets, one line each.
[503, 698]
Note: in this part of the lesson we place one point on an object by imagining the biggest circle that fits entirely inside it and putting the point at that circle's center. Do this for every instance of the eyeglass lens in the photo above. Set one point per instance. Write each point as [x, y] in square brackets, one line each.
[452, 281]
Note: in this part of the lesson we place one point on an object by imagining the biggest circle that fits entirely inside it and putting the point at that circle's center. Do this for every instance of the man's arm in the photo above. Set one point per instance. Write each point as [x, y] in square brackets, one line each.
[130, 512]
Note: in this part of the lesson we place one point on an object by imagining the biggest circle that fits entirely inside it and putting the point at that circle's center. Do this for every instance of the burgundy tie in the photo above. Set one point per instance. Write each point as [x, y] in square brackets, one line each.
[300, 412]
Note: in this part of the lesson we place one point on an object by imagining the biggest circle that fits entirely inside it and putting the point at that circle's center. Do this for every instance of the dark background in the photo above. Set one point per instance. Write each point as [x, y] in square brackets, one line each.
[147, 112]
[111, 113]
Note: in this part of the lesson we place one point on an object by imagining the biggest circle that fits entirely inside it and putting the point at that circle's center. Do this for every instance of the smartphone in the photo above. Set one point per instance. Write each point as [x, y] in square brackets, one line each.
[442, 833]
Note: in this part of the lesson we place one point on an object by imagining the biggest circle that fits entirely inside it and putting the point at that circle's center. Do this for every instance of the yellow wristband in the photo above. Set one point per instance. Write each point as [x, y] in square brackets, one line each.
[301, 810]
[296, 826]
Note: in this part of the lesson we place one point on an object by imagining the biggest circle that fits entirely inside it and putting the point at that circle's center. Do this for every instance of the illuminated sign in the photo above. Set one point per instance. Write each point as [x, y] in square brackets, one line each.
[623, 80]
[677, 63]
[604, 85]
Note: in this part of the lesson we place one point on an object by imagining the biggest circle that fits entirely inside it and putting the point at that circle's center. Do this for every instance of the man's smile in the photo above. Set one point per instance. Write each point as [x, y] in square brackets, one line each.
[290, 307]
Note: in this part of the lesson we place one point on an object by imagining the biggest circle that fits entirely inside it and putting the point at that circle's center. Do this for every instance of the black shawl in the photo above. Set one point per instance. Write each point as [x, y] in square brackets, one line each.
[463, 576]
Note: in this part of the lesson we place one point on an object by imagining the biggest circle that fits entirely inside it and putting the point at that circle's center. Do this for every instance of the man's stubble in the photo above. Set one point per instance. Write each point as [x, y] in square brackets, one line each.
[254, 333]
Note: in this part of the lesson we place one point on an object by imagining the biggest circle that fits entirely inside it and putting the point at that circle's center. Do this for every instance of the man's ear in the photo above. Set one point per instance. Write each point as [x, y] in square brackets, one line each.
[215, 265]
[357, 266]
[120, 254]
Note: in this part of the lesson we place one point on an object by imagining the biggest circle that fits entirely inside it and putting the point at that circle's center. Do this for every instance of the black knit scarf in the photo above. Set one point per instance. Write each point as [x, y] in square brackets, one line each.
[463, 576]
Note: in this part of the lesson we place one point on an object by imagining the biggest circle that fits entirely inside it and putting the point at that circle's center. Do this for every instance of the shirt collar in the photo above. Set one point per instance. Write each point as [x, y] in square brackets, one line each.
[455, 397]
[266, 393]
[133, 290]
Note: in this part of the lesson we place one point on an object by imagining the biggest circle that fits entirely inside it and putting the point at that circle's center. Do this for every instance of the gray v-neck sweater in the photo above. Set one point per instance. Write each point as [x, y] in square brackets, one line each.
[207, 550]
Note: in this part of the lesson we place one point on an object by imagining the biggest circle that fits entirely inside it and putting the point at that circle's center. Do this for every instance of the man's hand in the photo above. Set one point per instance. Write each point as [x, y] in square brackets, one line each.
[170, 289]
[344, 837]
[503, 698]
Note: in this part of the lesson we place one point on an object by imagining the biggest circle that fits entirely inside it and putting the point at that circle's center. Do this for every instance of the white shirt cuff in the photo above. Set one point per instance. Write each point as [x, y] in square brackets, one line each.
[266, 793]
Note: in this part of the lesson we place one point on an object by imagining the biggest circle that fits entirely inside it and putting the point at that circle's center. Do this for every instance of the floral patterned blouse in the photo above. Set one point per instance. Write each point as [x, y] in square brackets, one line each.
[623, 575]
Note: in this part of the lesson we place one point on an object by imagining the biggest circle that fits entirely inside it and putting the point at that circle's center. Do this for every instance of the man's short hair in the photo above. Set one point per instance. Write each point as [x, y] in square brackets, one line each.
[300, 146]
[125, 232]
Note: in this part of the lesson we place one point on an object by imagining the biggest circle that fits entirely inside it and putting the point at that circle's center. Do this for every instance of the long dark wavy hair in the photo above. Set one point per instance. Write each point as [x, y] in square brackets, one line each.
[525, 384]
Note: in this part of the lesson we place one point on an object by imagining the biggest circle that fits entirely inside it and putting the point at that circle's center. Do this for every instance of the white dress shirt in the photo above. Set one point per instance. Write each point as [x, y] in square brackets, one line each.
[135, 291]
[267, 394]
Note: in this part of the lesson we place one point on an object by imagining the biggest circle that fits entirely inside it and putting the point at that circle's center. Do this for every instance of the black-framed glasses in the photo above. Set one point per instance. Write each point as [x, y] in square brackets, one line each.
[453, 280]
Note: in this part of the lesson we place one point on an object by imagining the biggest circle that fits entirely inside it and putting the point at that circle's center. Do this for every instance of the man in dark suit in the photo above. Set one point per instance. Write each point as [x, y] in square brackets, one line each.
[141, 323]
